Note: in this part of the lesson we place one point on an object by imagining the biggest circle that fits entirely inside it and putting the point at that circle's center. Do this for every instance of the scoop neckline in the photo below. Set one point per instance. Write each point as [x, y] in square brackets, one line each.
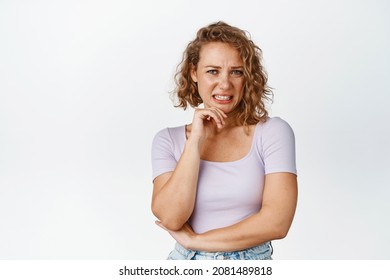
[232, 161]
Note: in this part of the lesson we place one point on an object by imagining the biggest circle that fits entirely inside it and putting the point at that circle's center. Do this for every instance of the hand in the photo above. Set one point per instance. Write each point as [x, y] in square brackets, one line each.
[184, 236]
[205, 119]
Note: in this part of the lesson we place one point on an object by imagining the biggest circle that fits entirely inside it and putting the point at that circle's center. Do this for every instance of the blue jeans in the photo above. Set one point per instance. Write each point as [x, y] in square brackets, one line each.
[261, 252]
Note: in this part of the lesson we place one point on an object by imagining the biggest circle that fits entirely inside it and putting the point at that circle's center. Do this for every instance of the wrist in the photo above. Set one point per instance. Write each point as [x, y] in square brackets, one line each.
[194, 144]
[195, 242]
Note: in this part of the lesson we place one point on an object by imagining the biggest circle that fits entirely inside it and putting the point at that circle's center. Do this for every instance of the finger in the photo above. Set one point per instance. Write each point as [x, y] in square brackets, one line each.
[188, 228]
[217, 116]
[210, 113]
[207, 114]
[222, 113]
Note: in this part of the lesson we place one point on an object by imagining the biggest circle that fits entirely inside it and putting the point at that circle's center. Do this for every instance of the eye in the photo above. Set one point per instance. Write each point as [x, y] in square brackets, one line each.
[212, 71]
[237, 72]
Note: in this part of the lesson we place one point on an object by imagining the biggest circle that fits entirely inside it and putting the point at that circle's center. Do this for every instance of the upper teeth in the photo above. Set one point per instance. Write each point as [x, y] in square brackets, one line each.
[222, 97]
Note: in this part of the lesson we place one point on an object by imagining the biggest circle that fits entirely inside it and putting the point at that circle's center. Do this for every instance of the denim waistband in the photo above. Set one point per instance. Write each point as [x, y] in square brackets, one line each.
[263, 251]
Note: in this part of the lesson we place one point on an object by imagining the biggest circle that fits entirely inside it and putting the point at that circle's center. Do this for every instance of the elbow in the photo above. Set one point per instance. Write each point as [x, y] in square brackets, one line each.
[281, 232]
[170, 223]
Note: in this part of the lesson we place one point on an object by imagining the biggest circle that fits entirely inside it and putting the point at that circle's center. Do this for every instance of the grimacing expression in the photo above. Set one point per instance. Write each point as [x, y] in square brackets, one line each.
[220, 76]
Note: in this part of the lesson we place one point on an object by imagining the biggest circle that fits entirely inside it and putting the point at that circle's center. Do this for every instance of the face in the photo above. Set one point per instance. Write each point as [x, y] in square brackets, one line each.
[220, 76]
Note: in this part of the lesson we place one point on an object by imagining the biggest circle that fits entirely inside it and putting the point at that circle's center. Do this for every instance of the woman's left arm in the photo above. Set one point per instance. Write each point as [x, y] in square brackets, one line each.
[272, 222]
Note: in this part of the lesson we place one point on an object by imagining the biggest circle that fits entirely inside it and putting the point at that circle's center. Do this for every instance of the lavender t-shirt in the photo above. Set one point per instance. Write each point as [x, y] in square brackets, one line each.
[229, 192]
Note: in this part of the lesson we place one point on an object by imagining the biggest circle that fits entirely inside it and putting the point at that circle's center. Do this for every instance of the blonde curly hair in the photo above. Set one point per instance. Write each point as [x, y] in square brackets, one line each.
[251, 109]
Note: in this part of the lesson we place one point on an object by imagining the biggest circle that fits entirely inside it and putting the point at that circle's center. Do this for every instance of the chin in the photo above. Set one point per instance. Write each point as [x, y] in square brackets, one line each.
[228, 110]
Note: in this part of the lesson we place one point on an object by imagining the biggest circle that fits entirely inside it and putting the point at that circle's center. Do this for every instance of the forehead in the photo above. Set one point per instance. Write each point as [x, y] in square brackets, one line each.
[217, 52]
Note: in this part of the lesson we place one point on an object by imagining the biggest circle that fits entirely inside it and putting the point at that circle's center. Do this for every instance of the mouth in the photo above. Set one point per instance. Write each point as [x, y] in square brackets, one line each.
[222, 97]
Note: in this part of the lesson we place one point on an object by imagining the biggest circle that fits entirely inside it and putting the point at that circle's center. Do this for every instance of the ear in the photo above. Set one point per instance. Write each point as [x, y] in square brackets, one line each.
[193, 74]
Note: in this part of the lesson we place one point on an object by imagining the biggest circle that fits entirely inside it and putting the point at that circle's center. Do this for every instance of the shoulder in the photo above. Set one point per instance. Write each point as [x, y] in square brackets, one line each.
[170, 137]
[276, 146]
[170, 132]
[275, 123]
[274, 131]
[168, 143]
[166, 149]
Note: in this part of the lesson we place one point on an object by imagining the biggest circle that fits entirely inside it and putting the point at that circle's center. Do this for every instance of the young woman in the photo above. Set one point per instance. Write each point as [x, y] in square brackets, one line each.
[225, 185]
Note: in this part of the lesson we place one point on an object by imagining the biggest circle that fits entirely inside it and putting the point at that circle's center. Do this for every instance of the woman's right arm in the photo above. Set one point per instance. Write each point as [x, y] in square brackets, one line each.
[174, 192]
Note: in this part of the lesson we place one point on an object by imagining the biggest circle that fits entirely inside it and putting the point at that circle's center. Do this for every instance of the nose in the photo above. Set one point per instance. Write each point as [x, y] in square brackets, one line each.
[224, 81]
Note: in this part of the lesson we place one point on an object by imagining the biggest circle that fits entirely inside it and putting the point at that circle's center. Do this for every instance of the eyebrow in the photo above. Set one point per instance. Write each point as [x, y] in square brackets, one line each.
[219, 67]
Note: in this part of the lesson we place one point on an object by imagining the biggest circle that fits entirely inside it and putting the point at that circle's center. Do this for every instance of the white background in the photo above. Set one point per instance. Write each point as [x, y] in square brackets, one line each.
[84, 86]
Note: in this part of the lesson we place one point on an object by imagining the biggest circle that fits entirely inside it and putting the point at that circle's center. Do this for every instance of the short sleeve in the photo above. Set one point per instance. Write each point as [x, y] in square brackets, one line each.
[278, 146]
[163, 159]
